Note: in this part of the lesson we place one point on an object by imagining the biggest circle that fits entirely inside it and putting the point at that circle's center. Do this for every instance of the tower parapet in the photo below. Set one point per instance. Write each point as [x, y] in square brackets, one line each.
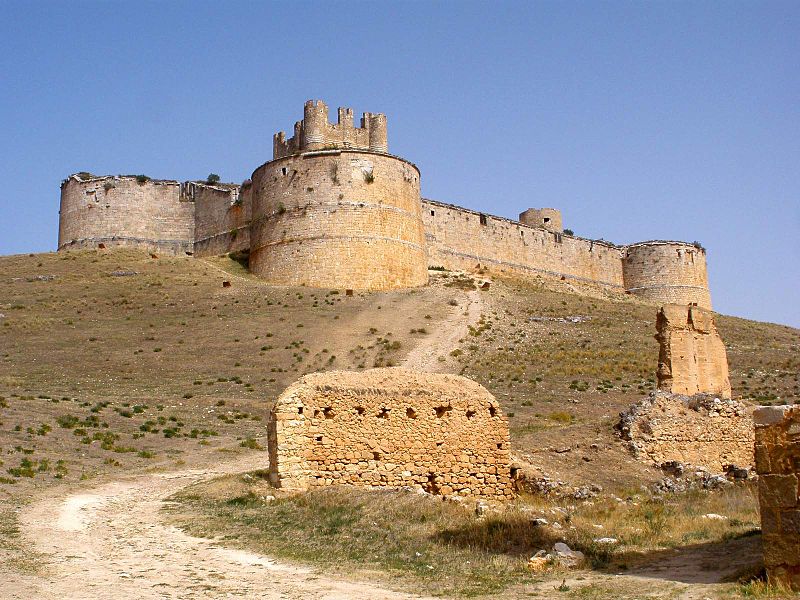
[314, 132]
[548, 218]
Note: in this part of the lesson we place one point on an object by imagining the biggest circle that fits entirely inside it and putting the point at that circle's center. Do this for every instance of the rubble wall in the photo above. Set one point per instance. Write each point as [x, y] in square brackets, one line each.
[701, 430]
[391, 428]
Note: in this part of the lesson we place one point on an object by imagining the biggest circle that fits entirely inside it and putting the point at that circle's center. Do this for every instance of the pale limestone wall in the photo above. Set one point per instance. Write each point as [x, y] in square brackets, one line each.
[459, 238]
[314, 132]
[119, 211]
[692, 357]
[222, 217]
[667, 273]
[777, 450]
[549, 218]
[390, 428]
[701, 430]
[346, 219]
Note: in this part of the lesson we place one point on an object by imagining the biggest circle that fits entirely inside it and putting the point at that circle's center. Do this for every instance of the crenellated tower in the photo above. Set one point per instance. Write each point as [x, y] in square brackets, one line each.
[334, 209]
[314, 132]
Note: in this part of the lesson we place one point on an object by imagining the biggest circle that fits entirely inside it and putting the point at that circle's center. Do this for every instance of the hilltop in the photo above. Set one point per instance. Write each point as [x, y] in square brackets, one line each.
[117, 363]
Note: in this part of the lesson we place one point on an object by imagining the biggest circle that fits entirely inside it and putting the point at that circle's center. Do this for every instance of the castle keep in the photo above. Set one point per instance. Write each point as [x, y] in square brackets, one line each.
[334, 209]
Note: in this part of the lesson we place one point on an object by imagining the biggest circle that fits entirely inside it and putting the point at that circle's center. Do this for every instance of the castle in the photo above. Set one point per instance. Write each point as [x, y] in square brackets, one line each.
[334, 209]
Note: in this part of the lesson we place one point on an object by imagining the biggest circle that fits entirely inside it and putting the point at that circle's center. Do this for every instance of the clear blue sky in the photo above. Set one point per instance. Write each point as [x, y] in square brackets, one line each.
[649, 120]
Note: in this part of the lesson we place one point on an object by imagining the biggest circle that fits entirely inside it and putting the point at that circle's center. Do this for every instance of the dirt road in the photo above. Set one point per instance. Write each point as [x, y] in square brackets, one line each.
[445, 338]
[111, 542]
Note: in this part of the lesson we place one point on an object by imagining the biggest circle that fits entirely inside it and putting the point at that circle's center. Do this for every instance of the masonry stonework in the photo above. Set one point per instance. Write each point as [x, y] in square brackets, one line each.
[777, 451]
[692, 358]
[124, 211]
[697, 430]
[391, 428]
[335, 209]
[338, 217]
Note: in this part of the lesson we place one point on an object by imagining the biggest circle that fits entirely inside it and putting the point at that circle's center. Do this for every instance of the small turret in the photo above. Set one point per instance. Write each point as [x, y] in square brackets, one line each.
[377, 133]
[315, 122]
[345, 117]
[549, 218]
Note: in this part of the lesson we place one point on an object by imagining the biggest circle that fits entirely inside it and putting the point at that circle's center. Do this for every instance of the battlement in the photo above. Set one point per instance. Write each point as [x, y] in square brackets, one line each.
[315, 132]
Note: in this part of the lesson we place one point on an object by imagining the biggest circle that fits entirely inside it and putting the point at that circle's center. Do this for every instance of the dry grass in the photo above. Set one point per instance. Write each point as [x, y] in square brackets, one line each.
[442, 548]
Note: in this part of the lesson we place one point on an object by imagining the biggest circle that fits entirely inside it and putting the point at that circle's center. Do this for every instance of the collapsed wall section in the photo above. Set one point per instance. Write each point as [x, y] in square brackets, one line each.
[692, 358]
[340, 218]
[390, 428]
[667, 273]
[459, 238]
[222, 217]
[777, 450]
[125, 211]
[700, 430]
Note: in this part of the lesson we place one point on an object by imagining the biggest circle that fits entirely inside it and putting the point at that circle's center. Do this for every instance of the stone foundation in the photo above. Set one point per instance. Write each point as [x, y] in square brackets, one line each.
[700, 430]
[777, 450]
[390, 428]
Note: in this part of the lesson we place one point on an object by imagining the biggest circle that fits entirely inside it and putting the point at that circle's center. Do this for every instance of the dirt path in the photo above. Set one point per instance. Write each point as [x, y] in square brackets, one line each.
[445, 338]
[110, 542]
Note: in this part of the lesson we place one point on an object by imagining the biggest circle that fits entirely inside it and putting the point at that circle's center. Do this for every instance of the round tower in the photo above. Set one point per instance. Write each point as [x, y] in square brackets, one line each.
[338, 218]
[315, 122]
[667, 273]
[125, 211]
[549, 218]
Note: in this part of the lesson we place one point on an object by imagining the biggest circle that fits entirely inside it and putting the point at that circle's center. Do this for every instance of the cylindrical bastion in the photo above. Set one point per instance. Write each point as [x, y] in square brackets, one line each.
[338, 218]
[667, 273]
[125, 211]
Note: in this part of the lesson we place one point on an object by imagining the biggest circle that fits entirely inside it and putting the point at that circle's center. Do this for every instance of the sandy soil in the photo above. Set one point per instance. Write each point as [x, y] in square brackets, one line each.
[110, 542]
[446, 336]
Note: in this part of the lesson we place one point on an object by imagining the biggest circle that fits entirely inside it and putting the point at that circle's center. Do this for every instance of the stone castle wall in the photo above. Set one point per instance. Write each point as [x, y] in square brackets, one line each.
[777, 450]
[692, 358]
[390, 428]
[334, 209]
[120, 211]
[459, 238]
[222, 217]
[338, 218]
[314, 132]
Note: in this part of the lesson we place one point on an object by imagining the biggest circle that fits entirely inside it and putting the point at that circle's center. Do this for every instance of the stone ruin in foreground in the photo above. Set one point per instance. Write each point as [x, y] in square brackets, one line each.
[390, 427]
[777, 451]
[692, 358]
[691, 418]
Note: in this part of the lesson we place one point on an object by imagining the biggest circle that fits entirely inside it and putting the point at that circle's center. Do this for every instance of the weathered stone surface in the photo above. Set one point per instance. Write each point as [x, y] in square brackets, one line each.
[699, 430]
[777, 434]
[334, 209]
[391, 427]
[692, 358]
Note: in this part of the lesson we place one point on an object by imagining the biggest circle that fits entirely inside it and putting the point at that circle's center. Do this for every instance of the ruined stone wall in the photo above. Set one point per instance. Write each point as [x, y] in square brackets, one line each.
[692, 357]
[120, 211]
[222, 217]
[777, 449]
[667, 273]
[390, 427]
[700, 430]
[459, 238]
[338, 218]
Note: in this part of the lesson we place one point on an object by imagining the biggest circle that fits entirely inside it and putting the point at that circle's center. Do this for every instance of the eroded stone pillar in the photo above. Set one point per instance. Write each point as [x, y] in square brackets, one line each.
[777, 450]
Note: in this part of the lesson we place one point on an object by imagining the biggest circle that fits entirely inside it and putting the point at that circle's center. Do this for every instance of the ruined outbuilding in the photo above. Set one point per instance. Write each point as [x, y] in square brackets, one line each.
[692, 358]
[444, 434]
[697, 430]
[777, 450]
